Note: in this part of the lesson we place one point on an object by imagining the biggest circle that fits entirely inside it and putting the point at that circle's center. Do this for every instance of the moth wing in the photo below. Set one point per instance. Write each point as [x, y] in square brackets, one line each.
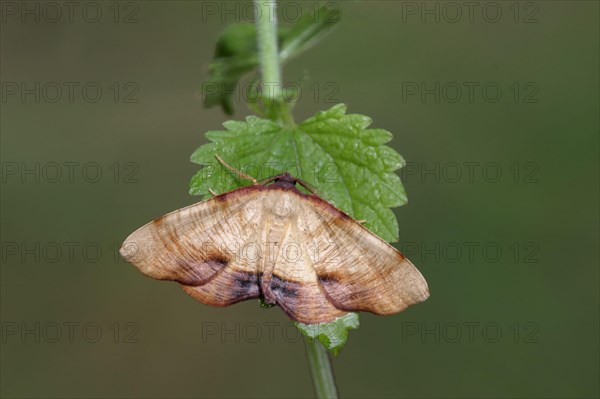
[357, 269]
[197, 247]
[295, 283]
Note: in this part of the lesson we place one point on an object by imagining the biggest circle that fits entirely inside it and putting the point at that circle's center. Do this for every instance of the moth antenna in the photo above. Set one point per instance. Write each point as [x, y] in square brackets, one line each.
[212, 192]
[308, 186]
[234, 170]
[362, 221]
[268, 179]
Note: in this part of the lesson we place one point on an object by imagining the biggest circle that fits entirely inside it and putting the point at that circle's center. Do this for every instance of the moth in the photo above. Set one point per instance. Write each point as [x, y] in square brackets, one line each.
[272, 240]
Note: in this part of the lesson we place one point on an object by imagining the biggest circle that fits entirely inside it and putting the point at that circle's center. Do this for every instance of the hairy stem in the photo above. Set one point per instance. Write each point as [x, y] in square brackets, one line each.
[320, 369]
[266, 25]
[268, 52]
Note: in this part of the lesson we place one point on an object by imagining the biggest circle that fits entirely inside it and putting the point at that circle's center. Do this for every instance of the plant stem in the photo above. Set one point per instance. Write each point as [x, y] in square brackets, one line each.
[268, 53]
[320, 369]
[266, 26]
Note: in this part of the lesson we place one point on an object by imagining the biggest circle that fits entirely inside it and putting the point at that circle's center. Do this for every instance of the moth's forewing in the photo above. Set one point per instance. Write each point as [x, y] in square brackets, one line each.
[357, 269]
[196, 246]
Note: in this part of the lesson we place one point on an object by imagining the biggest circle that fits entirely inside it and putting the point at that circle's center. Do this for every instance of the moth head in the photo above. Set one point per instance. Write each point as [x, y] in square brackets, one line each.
[285, 180]
[288, 181]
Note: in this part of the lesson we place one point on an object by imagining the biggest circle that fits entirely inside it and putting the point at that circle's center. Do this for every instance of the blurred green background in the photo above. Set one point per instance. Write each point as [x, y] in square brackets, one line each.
[519, 323]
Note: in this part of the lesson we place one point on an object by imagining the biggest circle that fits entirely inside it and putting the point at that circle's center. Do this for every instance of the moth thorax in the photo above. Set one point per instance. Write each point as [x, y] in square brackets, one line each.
[284, 207]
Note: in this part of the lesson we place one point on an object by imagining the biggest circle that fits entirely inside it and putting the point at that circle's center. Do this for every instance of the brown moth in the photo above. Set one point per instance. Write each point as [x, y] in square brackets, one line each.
[273, 241]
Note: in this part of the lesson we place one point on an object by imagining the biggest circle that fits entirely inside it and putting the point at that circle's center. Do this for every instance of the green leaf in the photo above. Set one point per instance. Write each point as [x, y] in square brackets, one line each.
[235, 56]
[236, 53]
[348, 163]
[307, 31]
[332, 335]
